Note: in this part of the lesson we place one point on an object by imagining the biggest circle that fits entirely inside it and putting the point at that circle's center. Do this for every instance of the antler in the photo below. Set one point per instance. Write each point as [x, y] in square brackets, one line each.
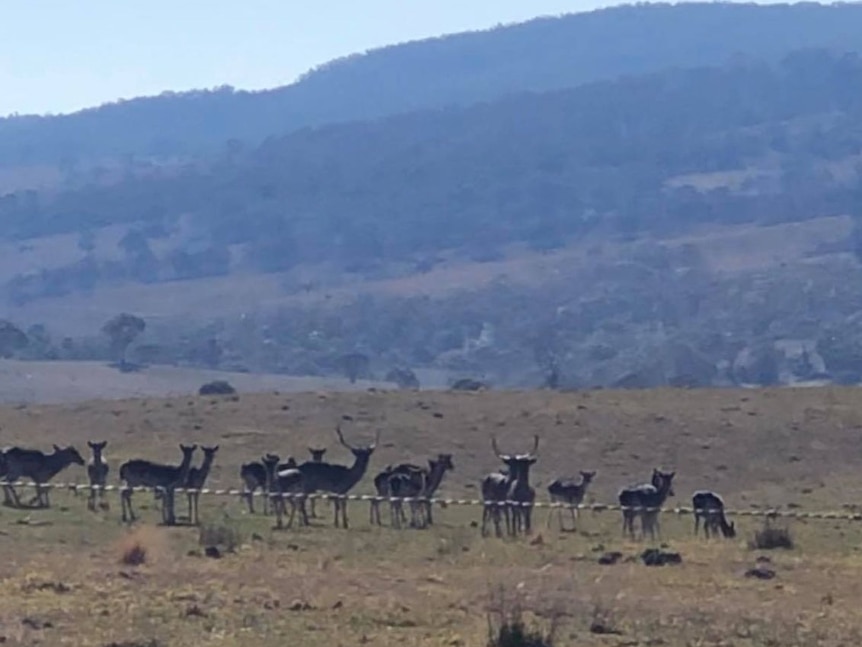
[535, 445]
[376, 439]
[495, 448]
[341, 436]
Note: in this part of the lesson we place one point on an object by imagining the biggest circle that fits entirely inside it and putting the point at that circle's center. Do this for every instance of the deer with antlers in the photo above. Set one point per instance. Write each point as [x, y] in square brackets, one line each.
[337, 479]
[510, 493]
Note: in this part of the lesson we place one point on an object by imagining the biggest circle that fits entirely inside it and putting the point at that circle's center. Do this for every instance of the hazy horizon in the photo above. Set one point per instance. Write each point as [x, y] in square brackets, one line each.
[56, 58]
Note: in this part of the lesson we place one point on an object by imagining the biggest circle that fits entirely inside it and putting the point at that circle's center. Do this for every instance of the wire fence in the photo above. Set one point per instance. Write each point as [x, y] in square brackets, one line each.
[760, 511]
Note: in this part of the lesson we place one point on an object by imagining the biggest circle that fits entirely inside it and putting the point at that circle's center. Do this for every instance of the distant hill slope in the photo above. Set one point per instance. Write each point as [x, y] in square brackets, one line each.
[543, 54]
[622, 157]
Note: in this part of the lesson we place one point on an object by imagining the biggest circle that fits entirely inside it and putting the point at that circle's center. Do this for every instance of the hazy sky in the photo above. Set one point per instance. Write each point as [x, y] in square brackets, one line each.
[63, 55]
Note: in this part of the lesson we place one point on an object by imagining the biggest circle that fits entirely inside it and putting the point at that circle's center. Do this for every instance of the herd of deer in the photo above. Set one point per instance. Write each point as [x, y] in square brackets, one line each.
[506, 493]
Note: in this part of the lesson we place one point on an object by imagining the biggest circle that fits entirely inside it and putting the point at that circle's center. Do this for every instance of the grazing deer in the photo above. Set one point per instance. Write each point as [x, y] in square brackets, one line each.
[570, 492]
[195, 480]
[646, 499]
[709, 506]
[38, 466]
[408, 481]
[337, 479]
[317, 454]
[139, 472]
[499, 488]
[285, 479]
[97, 471]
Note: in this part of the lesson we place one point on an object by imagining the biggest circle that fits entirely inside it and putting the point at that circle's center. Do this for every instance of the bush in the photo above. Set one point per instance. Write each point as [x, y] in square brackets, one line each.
[508, 628]
[771, 537]
[220, 535]
[219, 387]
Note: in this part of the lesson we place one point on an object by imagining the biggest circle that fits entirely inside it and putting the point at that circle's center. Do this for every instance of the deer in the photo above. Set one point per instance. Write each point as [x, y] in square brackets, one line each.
[38, 466]
[337, 479]
[317, 454]
[253, 476]
[97, 471]
[139, 472]
[443, 462]
[195, 480]
[284, 479]
[645, 499]
[408, 481]
[709, 506]
[499, 488]
[570, 492]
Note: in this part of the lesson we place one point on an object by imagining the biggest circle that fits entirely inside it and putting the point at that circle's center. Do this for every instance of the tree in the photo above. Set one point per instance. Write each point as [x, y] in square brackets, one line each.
[122, 330]
[355, 365]
[12, 338]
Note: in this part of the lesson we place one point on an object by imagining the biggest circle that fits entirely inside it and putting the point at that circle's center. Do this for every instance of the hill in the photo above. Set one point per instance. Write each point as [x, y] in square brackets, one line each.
[692, 226]
[453, 70]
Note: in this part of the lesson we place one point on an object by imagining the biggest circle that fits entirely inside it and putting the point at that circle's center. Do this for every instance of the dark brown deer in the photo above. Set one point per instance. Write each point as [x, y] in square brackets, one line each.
[97, 471]
[38, 466]
[570, 492]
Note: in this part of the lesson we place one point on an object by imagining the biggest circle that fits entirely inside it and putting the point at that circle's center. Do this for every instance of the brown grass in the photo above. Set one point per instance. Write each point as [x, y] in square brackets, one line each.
[142, 544]
[368, 585]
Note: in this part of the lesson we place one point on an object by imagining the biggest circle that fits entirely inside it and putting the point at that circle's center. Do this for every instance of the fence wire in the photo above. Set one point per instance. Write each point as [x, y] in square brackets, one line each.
[446, 502]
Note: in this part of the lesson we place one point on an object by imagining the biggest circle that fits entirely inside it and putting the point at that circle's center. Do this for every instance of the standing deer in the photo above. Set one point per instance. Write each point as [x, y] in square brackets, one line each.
[645, 500]
[570, 492]
[285, 483]
[406, 481]
[382, 485]
[317, 454]
[337, 479]
[97, 471]
[38, 466]
[196, 479]
[253, 476]
[709, 506]
[510, 492]
[139, 472]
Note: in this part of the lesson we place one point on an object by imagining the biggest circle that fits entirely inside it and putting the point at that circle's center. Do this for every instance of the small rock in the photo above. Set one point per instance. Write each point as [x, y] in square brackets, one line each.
[339, 604]
[657, 557]
[212, 551]
[299, 605]
[36, 623]
[538, 540]
[256, 537]
[608, 559]
[760, 573]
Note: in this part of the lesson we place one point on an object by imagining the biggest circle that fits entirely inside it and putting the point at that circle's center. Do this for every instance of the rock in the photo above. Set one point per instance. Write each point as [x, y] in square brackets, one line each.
[212, 551]
[657, 557]
[760, 573]
[610, 558]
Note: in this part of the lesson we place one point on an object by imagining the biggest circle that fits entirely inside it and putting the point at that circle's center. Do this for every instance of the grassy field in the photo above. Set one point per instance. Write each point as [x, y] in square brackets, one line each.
[74, 381]
[63, 582]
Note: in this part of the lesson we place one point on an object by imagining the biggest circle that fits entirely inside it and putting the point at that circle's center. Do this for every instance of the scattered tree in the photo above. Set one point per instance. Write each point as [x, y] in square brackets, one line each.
[122, 330]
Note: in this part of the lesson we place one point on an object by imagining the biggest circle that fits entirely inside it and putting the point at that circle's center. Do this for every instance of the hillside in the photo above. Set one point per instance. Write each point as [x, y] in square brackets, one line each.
[460, 69]
[692, 226]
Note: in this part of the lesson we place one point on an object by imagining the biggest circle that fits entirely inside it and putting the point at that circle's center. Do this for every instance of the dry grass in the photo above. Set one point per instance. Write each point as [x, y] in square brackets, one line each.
[321, 586]
[142, 544]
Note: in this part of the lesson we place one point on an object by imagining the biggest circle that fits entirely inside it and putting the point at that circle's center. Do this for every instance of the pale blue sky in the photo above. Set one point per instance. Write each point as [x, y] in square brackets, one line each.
[63, 55]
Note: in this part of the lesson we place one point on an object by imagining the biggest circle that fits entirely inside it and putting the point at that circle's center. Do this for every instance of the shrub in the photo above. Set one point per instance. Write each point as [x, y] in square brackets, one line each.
[770, 537]
[141, 546]
[218, 387]
[220, 535]
[507, 626]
